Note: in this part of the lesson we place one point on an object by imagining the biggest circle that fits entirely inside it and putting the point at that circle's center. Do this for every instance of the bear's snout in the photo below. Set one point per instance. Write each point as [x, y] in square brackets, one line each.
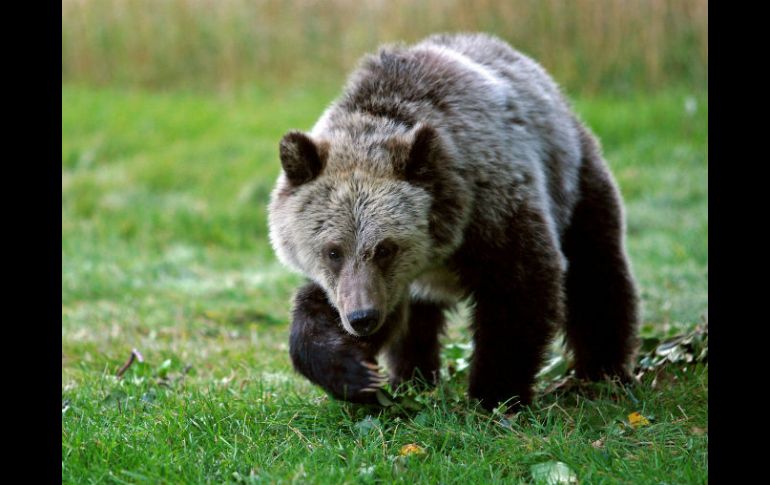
[364, 321]
[361, 299]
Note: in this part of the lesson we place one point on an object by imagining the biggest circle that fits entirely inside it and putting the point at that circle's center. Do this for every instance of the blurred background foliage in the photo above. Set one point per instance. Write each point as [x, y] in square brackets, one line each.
[589, 46]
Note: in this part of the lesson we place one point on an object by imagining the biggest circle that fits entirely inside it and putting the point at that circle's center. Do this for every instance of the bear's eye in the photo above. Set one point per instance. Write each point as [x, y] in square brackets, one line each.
[334, 254]
[385, 251]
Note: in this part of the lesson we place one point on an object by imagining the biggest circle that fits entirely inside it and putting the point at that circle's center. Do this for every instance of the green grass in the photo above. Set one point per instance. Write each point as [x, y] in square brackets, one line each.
[165, 250]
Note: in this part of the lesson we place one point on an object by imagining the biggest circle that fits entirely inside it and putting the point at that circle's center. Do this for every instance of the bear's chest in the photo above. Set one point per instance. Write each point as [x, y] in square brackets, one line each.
[437, 285]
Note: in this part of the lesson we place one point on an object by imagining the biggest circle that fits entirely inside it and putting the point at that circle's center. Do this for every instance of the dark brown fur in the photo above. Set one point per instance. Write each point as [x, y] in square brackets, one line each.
[415, 354]
[482, 182]
[325, 353]
[601, 295]
[518, 290]
[518, 296]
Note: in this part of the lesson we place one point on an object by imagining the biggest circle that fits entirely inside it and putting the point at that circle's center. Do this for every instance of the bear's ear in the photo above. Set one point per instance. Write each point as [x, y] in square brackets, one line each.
[424, 149]
[301, 158]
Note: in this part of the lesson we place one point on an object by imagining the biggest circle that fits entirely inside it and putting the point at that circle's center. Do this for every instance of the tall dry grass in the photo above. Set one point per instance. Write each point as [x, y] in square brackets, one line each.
[588, 45]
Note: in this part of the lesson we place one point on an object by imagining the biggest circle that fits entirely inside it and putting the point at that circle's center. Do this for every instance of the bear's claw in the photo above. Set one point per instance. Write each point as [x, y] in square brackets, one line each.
[371, 365]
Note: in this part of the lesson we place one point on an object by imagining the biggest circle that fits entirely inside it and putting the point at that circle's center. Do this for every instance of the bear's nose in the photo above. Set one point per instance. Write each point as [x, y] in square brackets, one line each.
[364, 321]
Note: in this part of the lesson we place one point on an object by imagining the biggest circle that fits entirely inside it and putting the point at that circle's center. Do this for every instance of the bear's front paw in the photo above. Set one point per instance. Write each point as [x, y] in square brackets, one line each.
[365, 382]
[346, 372]
[352, 380]
[325, 353]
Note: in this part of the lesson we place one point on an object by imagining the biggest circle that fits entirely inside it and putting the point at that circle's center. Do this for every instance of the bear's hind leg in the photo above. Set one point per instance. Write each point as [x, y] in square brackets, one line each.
[601, 295]
[415, 353]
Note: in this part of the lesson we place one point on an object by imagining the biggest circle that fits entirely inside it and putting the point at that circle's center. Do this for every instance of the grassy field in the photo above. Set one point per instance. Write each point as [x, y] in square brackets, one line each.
[165, 250]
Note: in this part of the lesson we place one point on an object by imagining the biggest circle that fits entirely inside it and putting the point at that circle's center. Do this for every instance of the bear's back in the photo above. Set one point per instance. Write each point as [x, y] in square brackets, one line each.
[505, 117]
[537, 114]
[423, 83]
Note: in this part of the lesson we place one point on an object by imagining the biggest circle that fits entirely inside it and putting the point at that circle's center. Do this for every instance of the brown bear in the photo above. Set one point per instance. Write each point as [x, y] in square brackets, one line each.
[451, 169]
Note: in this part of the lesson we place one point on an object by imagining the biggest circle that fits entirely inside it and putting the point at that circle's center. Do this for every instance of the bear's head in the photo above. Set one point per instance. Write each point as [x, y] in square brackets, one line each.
[353, 213]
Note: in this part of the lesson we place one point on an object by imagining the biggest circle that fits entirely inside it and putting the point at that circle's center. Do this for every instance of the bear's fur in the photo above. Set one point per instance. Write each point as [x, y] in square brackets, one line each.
[451, 169]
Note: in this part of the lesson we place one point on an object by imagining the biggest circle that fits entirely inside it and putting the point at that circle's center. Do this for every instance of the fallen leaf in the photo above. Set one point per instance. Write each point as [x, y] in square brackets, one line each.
[598, 444]
[679, 349]
[411, 449]
[698, 431]
[553, 473]
[637, 420]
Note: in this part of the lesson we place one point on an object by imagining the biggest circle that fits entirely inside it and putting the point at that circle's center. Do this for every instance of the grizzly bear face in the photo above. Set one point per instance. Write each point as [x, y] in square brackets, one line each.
[354, 218]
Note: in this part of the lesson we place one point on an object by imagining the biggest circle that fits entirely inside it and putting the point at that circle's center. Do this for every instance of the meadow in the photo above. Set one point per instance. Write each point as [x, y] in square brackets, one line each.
[166, 170]
[164, 249]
